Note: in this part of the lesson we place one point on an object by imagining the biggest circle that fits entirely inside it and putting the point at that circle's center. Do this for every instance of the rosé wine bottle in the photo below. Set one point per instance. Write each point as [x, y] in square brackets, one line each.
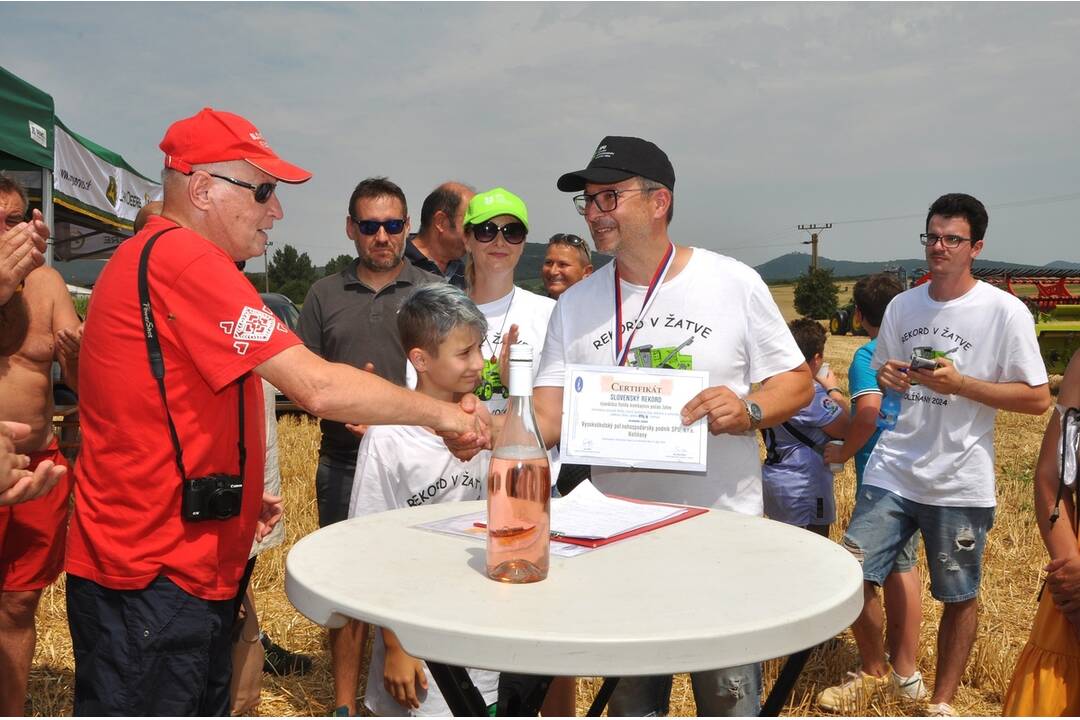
[519, 486]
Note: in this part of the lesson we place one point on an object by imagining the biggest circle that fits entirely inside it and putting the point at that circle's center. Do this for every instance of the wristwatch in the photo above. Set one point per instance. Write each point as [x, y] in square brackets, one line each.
[753, 413]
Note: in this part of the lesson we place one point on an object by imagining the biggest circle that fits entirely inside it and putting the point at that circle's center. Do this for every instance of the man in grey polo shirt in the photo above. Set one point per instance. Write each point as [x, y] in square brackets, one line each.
[351, 317]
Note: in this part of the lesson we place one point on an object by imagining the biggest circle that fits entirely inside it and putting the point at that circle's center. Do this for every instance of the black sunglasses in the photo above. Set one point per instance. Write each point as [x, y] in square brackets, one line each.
[566, 239]
[513, 233]
[262, 191]
[370, 227]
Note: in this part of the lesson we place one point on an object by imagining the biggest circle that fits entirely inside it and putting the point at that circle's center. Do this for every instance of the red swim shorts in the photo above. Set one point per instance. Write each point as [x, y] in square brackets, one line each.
[33, 534]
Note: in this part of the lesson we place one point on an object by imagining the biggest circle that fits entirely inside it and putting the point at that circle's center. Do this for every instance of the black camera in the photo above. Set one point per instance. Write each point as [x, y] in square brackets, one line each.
[214, 497]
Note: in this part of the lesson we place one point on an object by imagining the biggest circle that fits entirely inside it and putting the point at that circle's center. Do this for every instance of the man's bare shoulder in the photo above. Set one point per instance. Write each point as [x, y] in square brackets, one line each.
[45, 282]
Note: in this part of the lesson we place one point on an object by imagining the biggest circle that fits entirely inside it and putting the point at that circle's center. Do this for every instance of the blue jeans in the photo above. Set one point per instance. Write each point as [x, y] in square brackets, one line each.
[728, 692]
[883, 523]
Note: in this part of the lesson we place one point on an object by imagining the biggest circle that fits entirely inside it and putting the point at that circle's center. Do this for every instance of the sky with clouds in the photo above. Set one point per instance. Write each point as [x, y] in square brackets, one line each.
[772, 114]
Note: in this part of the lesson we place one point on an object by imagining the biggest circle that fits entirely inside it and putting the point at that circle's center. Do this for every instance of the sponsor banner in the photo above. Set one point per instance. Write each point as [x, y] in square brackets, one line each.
[72, 242]
[92, 186]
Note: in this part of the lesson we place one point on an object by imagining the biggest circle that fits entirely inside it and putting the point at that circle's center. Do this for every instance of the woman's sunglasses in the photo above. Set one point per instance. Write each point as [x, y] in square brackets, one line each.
[513, 233]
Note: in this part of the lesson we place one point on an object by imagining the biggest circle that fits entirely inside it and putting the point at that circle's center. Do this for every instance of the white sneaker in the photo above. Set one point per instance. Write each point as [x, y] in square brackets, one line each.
[911, 688]
[940, 710]
[850, 695]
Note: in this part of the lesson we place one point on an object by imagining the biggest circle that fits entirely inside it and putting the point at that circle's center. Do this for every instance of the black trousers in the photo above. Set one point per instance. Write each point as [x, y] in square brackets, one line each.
[150, 652]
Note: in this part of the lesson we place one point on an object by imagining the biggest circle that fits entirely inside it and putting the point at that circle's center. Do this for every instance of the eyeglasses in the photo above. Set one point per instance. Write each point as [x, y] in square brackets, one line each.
[371, 227]
[262, 191]
[566, 239]
[513, 233]
[949, 241]
[605, 200]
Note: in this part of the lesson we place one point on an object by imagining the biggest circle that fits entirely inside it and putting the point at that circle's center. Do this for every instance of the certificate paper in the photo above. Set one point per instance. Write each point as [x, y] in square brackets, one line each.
[631, 417]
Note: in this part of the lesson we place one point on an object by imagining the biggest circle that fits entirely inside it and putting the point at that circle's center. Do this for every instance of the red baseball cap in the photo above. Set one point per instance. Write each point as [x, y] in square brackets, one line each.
[215, 136]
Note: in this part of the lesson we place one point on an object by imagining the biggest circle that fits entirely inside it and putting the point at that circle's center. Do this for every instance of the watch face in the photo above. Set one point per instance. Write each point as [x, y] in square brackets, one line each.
[755, 411]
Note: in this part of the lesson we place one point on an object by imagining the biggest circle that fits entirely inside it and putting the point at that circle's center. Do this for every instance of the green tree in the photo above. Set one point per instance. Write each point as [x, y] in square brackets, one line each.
[816, 294]
[291, 273]
[337, 264]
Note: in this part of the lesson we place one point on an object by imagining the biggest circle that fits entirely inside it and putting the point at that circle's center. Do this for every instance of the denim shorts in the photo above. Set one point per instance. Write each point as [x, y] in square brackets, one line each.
[729, 692]
[883, 523]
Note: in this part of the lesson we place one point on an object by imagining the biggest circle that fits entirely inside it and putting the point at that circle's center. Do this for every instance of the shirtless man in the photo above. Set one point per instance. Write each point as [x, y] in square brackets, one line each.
[37, 324]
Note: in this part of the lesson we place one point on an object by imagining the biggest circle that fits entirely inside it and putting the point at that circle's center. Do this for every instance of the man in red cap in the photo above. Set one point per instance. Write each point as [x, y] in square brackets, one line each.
[170, 480]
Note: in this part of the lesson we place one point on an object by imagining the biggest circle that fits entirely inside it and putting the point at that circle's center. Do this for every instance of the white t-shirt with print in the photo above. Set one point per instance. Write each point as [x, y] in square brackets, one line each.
[400, 466]
[941, 451]
[739, 338]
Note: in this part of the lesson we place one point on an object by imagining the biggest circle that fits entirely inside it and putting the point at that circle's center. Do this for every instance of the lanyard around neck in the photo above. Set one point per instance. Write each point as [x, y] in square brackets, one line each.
[620, 349]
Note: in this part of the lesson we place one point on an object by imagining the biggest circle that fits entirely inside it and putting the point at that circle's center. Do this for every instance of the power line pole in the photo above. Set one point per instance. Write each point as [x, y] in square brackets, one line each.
[812, 242]
[266, 264]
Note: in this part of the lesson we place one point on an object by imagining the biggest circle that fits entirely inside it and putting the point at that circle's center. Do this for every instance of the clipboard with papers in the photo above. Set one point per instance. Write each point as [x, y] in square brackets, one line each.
[589, 518]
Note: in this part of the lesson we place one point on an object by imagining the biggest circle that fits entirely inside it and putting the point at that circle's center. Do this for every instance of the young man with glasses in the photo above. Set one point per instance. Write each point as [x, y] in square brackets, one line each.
[171, 403]
[734, 331]
[566, 262]
[351, 317]
[934, 472]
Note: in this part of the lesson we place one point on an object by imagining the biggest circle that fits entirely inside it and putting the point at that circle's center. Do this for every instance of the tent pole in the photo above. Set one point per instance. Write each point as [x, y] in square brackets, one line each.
[47, 211]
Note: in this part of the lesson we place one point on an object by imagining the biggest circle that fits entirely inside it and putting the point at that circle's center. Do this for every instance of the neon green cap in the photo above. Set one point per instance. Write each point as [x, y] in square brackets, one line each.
[494, 202]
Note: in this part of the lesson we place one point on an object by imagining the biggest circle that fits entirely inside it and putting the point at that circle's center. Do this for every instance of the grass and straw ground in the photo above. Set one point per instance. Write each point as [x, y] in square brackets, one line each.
[1014, 555]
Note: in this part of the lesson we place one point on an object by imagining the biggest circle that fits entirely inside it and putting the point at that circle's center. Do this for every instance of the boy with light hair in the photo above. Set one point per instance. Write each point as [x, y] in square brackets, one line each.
[400, 466]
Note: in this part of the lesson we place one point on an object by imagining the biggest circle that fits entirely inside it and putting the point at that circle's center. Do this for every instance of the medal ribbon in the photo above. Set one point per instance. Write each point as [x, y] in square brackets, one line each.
[620, 348]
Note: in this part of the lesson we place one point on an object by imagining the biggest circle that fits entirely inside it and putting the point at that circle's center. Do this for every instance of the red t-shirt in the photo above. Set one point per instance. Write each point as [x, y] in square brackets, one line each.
[126, 528]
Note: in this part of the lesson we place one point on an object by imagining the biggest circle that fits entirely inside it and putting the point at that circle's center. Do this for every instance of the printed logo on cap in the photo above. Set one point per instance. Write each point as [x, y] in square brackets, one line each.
[603, 152]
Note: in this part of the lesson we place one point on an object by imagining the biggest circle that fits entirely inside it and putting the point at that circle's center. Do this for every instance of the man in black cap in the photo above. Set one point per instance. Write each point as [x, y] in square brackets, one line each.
[734, 331]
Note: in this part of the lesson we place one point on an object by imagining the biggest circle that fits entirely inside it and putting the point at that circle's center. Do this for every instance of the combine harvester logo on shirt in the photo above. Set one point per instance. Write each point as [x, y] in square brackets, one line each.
[253, 326]
[671, 358]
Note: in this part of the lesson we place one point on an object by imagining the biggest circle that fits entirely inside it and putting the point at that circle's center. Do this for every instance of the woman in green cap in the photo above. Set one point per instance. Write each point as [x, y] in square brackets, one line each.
[496, 224]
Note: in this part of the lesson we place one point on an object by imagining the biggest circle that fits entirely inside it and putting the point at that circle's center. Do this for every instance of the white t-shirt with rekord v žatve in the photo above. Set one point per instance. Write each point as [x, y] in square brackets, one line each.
[941, 451]
[400, 466]
[716, 315]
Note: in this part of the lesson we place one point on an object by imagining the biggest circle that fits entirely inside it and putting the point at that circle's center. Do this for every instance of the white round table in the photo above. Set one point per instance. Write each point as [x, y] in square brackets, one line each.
[717, 590]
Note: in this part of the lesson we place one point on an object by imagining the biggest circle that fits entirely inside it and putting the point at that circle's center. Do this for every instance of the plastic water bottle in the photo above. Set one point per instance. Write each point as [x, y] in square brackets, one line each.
[890, 410]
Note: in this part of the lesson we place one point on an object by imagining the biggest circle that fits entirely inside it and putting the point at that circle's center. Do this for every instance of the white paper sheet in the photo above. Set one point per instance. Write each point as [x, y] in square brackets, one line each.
[589, 514]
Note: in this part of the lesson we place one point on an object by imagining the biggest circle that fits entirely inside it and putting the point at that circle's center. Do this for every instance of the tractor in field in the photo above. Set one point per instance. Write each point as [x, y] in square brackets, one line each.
[1055, 308]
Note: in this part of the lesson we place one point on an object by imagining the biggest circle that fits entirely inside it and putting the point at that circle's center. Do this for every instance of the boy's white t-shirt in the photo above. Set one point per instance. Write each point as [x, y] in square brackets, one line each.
[738, 336]
[941, 451]
[400, 466]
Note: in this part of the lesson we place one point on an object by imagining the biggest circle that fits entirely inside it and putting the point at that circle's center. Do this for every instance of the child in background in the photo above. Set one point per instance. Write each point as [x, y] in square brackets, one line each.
[401, 466]
[797, 484]
[903, 586]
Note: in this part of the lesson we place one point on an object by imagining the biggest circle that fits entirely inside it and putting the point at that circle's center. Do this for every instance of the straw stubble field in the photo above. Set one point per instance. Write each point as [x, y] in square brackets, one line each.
[1014, 556]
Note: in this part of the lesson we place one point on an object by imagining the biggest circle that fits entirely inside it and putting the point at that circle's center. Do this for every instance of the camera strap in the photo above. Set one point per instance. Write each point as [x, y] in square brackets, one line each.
[157, 362]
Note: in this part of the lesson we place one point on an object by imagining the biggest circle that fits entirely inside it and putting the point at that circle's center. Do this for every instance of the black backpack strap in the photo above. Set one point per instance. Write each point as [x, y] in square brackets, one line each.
[799, 436]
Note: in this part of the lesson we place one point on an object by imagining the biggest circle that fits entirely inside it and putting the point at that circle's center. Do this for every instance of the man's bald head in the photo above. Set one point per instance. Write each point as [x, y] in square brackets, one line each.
[154, 207]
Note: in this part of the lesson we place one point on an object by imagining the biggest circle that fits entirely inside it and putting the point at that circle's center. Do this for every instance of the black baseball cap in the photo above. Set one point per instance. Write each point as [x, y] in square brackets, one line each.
[618, 158]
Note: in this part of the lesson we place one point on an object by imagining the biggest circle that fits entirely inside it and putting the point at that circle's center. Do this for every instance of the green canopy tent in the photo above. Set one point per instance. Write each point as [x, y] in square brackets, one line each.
[88, 194]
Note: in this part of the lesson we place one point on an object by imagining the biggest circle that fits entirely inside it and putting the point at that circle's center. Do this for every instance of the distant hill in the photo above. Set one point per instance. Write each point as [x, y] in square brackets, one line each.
[790, 266]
